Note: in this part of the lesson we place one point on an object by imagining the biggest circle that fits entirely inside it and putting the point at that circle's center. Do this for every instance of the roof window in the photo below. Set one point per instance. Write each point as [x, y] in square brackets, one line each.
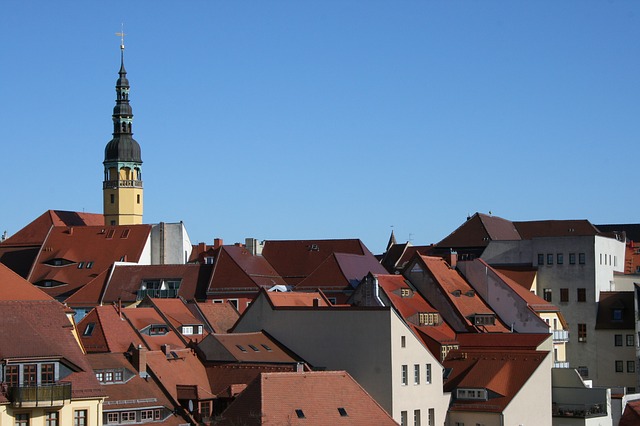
[266, 347]
[89, 329]
[125, 233]
[110, 233]
[241, 348]
[254, 348]
[456, 293]
[342, 412]
[300, 414]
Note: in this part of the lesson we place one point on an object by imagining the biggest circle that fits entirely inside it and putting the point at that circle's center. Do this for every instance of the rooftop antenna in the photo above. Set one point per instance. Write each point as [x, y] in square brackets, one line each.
[121, 34]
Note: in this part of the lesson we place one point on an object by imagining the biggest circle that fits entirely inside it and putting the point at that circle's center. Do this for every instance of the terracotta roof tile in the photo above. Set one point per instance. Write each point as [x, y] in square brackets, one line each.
[502, 373]
[86, 251]
[294, 260]
[297, 298]
[631, 414]
[236, 268]
[110, 331]
[220, 316]
[143, 318]
[253, 348]
[459, 293]
[555, 228]
[185, 370]
[479, 230]
[14, 287]
[342, 271]
[318, 397]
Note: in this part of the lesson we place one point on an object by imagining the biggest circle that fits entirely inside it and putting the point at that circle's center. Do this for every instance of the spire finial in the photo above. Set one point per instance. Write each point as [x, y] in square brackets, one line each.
[121, 34]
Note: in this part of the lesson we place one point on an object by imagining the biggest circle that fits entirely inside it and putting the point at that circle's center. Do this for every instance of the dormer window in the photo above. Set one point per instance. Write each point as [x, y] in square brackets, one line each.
[158, 330]
[49, 283]
[191, 329]
[427, 318]
[477, 394]
[89, 329]
[160, 288]
[405, 292]
[456, 293]
[58, 262]
[470, 293]
[483, 319]
[616, 314]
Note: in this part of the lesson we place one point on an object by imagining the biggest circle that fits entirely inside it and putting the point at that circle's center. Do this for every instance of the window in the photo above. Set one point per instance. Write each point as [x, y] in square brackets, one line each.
[630, 340]
[80, 418]
[631, 366]
[47, 374]
[234, 302]
[117, 376]
[405, 292]
[22, 419]
[559, 258]
[582, 333]
[11, 375]
[112, 198]
[416, 417]
[540, 259]
[128, 417]
[108, 376]
[80, 265]
[428, 370]
[416, 374]
[546, 294]
[581, 258]
[572, 258]
[432, 417]
[146, 415]
[89, 265]
[187, 329]
[582, 295]
[138, 198]
[205, 408]
[266, 347]
[113, 418]
[51, 418]
[616, 315]
[241, 348]
[619, 367]
[403, 418]
[300, 413]
[100, 376]
[550, 259]
[254, 348]
[617, 340]
[157, 414]
[89, 329]
[403, 341]
[343, 412]
[564, 294]
[405, 379]
[583, 371]
[30, 375]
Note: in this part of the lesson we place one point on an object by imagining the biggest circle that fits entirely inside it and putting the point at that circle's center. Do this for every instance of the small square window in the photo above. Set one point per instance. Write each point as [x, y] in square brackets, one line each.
[619, 366]
[343, 412]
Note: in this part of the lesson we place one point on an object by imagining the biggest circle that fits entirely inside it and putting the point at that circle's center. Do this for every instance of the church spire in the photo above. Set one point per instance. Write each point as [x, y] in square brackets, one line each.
[122, 186]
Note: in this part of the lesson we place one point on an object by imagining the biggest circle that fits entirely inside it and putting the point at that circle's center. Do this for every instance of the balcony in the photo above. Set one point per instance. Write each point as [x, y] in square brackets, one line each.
[115, 184]
[171, 293]
[559, 364]
[560, 336]
[579, 411]
[53, 395]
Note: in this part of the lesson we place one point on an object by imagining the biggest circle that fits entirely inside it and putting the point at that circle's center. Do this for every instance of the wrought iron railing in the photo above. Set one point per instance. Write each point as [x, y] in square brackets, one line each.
[579, 410]
[164, 294]
[113, 184]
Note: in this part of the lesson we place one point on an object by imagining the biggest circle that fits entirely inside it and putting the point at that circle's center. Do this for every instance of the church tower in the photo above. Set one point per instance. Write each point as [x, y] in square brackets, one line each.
[122, 186]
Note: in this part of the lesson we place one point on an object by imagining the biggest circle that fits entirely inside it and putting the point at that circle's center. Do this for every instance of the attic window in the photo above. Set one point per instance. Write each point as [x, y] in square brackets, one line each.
[266, 347]
[125, 233]
[470, 293]
[456, 293]
[472, 394]
[158, 329]
[80, 265]
[484, 319]
[49, 283]
[342, 412]
[300, 414]
[314, 247]
[89, 329]
[241, 348]
[616, 314]
[110, 233]
[405, 292]
[89, 265]
[254, 348]
[426, 318]
[58, 262]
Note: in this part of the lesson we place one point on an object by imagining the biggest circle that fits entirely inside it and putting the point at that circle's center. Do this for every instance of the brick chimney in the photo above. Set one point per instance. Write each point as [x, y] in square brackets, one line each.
[139, 359]
[217, 242]
[452, 258]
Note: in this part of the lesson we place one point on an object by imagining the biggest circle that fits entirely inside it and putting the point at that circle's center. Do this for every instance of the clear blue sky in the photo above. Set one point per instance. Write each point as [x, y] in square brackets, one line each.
[327, 119]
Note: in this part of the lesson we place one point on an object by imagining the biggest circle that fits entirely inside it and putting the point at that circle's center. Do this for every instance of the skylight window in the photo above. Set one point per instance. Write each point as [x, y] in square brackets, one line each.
[89, 265]
[80, 265]
[241, 348]
[342, 412]
[89, 329]
[300, 414]
[254, 348]
[266, 347]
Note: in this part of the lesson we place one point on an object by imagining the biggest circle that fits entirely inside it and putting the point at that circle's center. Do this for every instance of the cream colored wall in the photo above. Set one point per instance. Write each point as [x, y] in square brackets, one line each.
[532, 404]
[37, 415]
[473, 419]
[560, 347]
[125, 210]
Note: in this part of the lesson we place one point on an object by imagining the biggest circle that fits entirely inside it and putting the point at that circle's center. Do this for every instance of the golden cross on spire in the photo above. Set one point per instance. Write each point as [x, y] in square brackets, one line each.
[121, 34]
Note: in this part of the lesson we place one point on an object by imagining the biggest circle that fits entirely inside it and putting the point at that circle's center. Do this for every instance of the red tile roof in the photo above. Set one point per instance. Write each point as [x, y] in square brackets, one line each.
[555, 228]
[236, 268]
[341, 271]
[186, 370]
[41, 329]
[504, 341]
[468, 302]
[14, 287]
[503, 374]
[294, 260]
[524, 275]
[36, 231]
[631, 414]
[319, 397]
[297, 298]
[220, 316]
[95, 248]
[479, 230]
[142, 318]
[410, 307]
[111, 332]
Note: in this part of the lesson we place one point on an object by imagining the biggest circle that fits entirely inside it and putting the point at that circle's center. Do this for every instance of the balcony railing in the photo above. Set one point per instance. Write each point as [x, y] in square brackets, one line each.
[114, 184]
[560, 336]
[158, 294]
[52, 395]
[559, 364]
[579, 410]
